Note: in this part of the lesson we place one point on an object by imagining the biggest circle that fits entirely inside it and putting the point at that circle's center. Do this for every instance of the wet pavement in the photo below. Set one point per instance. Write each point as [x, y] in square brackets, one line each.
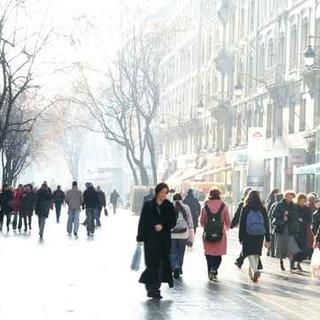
[68, 278]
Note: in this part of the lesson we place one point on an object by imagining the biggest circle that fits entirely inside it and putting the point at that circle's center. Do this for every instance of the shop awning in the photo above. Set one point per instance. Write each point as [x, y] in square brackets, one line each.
[308, 169]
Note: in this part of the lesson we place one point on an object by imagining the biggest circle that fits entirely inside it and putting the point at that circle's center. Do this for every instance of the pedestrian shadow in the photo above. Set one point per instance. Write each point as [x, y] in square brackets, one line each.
[157, 309]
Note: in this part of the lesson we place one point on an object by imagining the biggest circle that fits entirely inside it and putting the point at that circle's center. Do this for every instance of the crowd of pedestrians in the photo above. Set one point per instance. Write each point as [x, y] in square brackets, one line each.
[287, 225]
[17, 206]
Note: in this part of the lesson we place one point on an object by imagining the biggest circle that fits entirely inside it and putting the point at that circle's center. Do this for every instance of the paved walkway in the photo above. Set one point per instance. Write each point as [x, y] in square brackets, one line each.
[64, 278]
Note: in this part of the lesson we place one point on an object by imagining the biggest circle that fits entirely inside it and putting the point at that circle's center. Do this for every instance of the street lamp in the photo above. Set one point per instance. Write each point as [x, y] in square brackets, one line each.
[238, 89]
[162, 124]
[309, 56]
[200, 107]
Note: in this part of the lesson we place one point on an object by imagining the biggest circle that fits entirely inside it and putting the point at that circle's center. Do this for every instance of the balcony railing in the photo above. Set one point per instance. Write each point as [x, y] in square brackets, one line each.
[274, 76]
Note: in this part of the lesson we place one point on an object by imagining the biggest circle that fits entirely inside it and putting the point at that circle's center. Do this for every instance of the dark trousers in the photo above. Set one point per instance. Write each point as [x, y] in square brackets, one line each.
[213, 262]
[98, 216]
[42, 223]
[58, 206]
[23, 218]
[15, 220]
[178, 248]
[114, 206]
[91, 215]
[8, 216]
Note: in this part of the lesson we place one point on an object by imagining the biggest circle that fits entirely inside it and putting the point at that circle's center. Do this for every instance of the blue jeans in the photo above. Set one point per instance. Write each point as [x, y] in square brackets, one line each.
[178, 248]
[73, 221]
[91, 215]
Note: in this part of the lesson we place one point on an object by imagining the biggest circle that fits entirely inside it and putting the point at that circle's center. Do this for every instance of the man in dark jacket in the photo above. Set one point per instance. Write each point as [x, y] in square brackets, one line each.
[43, 206]
[192, 202]
[58, 199]
[6, 198]
[91, 205]
[102, 204]
[28, 202]
[114, 197]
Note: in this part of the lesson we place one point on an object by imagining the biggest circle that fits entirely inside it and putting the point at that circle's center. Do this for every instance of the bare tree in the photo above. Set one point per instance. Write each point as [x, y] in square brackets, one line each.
[18, 52]
[72, 143]
[126, 108]
[20, 148]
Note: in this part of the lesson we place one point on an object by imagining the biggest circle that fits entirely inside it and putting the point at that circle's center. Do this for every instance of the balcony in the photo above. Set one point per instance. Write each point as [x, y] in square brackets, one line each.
[274, 76]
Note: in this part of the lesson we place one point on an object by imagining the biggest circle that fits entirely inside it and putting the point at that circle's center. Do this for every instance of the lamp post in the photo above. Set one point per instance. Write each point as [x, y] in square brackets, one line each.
[309, 56]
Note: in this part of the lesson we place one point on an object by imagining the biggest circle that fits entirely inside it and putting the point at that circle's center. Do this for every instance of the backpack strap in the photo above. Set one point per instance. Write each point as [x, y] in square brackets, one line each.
[222, 205]
[209, 212]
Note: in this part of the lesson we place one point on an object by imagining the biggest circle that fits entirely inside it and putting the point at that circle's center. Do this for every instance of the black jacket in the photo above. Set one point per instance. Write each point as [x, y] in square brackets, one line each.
[28, 202]
[157, 245]
[316, 225]
[305, 219]
[44, 202]
[6, 198]
[91, 199]
[252, 245]
[236, 218]
[195, 208]
[102, 199]
[58, 196]
[278, 218]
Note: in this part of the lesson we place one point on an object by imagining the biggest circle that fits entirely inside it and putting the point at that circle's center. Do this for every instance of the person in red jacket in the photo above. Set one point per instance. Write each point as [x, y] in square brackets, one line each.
[16, 204]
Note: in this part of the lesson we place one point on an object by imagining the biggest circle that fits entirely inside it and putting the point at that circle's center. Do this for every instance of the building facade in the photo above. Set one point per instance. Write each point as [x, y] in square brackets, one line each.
[233, 68]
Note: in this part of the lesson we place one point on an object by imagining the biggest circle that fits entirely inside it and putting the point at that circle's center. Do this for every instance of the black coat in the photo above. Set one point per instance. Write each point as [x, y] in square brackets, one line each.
[28, 202]
[195, 208]
[278, 218]
[6, 198]
[58, 196]
[236, 218]
[316, 222]
[157, 245]
[252, 245]
[305, 219]
[91, 199]
[102, 199]
[44, 202]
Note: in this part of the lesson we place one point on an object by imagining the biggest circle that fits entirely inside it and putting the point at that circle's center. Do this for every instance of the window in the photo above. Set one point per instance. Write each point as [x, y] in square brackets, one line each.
[262, 59]
[302, 119]
[292, 107]
[282, 50]
[269, 121]
[317, 109]
[293, 47]
[252, 15]
[270, 61]
[250, 72]
[304, 34]
[278, 114]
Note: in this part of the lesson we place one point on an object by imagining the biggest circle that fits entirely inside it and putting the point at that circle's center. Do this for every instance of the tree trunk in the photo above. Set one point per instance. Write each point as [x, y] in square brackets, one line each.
[143, 175]
[133, 170]
[151, 149]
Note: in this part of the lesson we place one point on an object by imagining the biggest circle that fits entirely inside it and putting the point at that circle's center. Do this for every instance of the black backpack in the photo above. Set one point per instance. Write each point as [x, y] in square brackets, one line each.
[213, 230]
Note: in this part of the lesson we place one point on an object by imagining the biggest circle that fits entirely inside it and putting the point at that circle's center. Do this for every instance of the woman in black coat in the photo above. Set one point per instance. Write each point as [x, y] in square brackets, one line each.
[286, 227]
[254, 228]
[157, 219]
[305, 220]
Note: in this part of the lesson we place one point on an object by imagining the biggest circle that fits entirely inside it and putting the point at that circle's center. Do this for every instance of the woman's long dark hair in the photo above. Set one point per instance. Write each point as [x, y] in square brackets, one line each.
[253, 200]
[178, 206]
